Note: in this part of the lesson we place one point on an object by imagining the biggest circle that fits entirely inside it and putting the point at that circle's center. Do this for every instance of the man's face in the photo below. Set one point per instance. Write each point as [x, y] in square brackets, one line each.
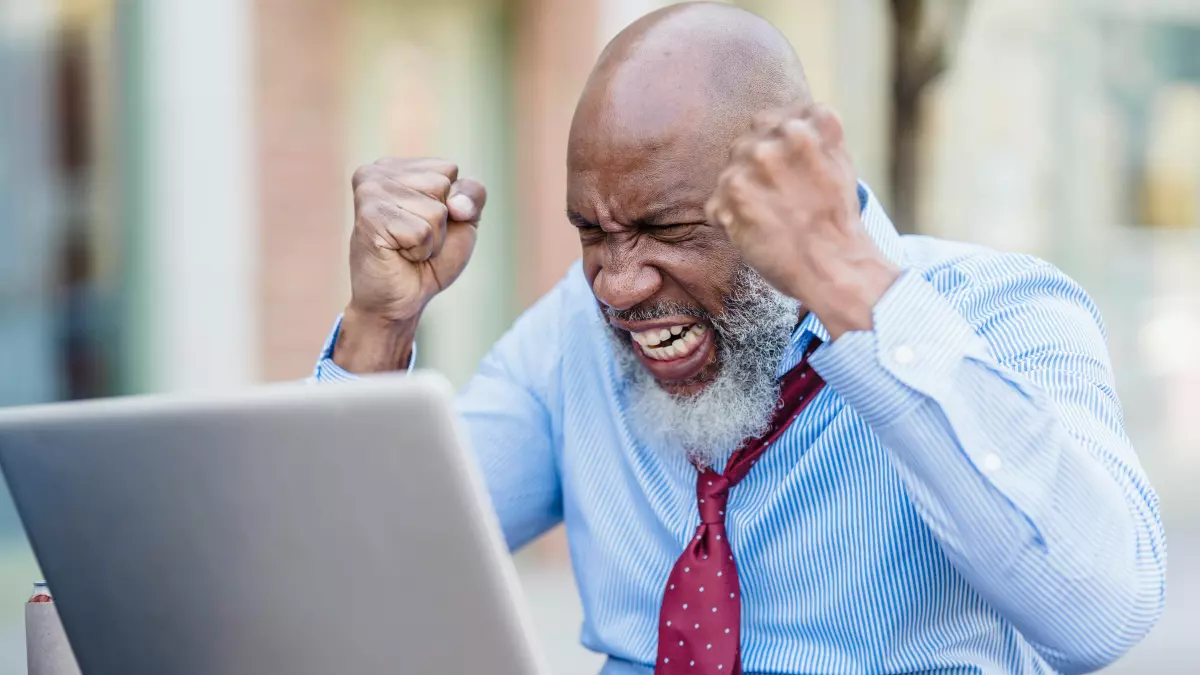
[696, 333]
[655, 265]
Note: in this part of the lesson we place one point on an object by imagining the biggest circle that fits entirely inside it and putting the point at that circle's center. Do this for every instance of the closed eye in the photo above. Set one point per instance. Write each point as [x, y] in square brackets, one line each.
[589, 232]
[673, 232]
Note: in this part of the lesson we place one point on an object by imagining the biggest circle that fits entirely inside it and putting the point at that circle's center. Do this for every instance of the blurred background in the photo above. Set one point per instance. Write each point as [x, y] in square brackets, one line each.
[174, 183]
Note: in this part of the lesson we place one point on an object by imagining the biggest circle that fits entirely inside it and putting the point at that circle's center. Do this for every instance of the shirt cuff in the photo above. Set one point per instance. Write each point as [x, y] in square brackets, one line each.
[328, 371]
[918, 343]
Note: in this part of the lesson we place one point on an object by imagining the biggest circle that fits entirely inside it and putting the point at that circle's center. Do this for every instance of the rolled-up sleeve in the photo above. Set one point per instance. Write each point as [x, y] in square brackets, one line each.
[995, 402]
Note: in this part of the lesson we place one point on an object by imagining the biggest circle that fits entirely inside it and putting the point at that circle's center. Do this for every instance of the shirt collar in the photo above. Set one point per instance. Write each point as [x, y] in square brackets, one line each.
[881, 230]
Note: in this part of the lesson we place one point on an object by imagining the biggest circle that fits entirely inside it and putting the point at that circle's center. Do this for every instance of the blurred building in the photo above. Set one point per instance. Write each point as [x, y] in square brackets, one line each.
[205, 149]
[174, 183]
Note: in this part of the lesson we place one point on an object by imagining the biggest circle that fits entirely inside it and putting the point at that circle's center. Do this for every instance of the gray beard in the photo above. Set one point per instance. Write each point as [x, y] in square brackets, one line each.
[751, 337]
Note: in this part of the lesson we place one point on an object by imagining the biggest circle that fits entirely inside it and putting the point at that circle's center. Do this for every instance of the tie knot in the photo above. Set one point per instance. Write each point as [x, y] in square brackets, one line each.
[712, 492]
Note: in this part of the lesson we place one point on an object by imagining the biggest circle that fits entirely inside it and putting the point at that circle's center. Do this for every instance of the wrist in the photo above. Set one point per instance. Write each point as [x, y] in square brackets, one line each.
[370, 343]
[846, 303]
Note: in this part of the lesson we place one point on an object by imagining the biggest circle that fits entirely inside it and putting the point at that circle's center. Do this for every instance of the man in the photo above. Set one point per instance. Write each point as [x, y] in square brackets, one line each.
[930, 473]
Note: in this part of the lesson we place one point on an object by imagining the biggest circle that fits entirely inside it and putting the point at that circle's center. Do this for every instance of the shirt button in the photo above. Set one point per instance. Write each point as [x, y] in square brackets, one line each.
[991, 463]
[903, 355]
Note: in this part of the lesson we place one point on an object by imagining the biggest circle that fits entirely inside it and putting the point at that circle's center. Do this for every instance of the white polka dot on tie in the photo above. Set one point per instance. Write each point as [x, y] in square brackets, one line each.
[726, 630]
[685, 605]
[681, 643]
[666, 659]
[705, 556]
[720, 513]
[687, 569]
[691, 663]
[701, 589]
[718, 537]
[701, 501]
[720, 666]
[731, 595]
[718, 574]
[710, 482]
[669, 623]
[672, 586]
[697, 626]
[714, 609]
[708, 647]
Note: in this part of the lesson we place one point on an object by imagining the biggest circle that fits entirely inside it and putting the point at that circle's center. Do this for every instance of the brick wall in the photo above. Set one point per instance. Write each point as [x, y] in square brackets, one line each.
[556, 48]
[302, 190]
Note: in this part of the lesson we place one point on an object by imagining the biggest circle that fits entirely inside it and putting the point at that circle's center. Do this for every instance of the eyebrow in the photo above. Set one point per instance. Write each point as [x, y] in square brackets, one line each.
[674, 214]
[655, 218]
[578, 220]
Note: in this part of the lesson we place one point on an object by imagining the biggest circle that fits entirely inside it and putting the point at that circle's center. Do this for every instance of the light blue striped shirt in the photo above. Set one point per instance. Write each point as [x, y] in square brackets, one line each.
[962, 497]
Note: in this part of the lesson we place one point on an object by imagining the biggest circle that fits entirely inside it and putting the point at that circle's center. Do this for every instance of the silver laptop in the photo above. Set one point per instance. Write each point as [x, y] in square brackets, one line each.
[291, 530]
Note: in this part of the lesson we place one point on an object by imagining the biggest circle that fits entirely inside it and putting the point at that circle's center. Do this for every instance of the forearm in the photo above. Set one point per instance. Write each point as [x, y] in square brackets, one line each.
[1037, 503]
[367, 344]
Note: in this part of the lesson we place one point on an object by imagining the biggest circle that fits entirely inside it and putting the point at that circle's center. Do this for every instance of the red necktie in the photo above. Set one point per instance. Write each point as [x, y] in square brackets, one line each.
[699, 626]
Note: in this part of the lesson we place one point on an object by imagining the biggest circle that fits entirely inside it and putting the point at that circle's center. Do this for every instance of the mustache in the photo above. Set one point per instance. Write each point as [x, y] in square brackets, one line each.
[657, 310]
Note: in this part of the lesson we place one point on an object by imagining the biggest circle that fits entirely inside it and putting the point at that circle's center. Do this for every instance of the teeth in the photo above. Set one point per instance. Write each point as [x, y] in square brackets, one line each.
[686, 342]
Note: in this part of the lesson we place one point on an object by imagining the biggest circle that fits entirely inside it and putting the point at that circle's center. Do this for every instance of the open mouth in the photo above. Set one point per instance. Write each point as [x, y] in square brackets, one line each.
[679, 351]
[666, 344]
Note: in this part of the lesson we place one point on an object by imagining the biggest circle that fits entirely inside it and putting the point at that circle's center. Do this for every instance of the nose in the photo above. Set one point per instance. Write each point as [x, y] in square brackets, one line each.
[625, 280]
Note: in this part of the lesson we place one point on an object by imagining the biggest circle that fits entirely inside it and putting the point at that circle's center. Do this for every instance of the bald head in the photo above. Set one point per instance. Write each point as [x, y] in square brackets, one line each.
[689, 69]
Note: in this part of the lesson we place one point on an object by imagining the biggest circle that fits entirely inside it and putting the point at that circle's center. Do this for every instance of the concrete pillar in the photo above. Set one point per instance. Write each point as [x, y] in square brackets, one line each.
[196, 261]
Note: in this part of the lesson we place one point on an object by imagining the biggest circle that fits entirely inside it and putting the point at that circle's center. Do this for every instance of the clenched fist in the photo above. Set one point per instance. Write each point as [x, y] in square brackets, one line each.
[414, 230]
[415, 226]
[788, 200]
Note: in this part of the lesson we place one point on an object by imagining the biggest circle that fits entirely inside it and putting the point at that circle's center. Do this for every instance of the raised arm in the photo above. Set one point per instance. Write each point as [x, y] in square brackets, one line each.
[415, 224]
[414, 230]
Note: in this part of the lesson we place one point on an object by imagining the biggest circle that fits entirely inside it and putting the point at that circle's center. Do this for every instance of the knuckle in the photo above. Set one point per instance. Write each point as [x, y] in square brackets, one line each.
[361, 175]
[799, 133]
[739, 184]
[438, 212]
[421, 233]
[764, 152]
[438, 165]
[442, 183]
[426, 182]
[378, 212]
[767, 119]
[795, 128]
[824, 113]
